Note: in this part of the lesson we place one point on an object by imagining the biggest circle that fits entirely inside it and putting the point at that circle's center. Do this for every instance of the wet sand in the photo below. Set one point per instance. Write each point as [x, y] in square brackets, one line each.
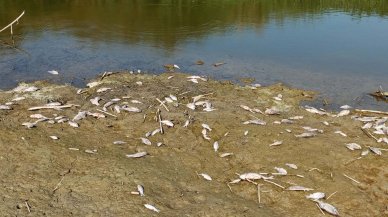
[58, 178]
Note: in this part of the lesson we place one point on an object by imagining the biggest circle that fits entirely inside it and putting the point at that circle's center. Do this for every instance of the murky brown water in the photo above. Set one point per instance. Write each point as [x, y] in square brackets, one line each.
[336, 47]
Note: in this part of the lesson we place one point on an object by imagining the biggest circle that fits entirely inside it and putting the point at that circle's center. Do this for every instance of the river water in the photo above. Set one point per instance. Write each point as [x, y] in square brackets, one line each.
[336, 47]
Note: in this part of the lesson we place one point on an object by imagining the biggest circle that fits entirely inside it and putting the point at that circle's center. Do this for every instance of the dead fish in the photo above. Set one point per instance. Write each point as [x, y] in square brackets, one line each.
[250, 176]
[106, 105]
[146, 141]
[325, 123]
[343, 113]
[365, 152]
[225, 155]
[218, 64]
[196, 98]
[187, 122]
[286, 121]
[95, 101]
[140, 189]
[255, 121]
[173, 97]
[119, 143]
[246, 108]
[206, 176]
[314, 110]
[367, 125]
[345, 107]
[169, 77]
[385, 139]
[280, 171]
[279, 97]
[293, 166]
[137, 155]
[73, 124]
[104, 89]
[139, 83]
[93, 84]
[38, 116]
[341, 133]
[94, 151]
[117, 108]
[136, 101]
[191, 106]
[24, 89]
[5, 107]
[272, 111]
[316, 196]
[328, 208]
[53, 72]
[216, 146]
[159, 144]
[353, 146]
[204, 134]
[167, 123]
[155, 132]
[29, 125]
[18, 99]
[195, 81]
[276, 143]
[81, 115]
[246, 133]
[296, 118]
[207, 127]
[130, 109]
[197, 77]
[151, 207]
[299, 188]
[306, 135]
[375, 150]
[169, 100]
[54, 137]
[96, 114]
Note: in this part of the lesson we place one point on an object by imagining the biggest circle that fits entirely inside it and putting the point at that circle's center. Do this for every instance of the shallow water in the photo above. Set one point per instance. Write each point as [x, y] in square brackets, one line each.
[339, 48]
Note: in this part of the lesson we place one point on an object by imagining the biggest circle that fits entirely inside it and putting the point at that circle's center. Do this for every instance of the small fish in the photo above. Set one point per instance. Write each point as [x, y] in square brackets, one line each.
[325, 123]
[73, 124]
[353, 146]
[280, 171]
[288, 130]
[53, 72]
[91, 151]
[367, 125]
[191, 106]
[169, 77]
[5, 107]
[146, 141]
[250, 176]
[81, 115]
[139, 83]
[315, 111]
[140, 189]
[136, 101]
[216, 146]
[375, 150]
[38, 116]
[24, 89]
[169, 100]
[104, 89]
[187, 122]
[341, 133]
[316, 196]
[176, 66]
[29, 125]
[173, 97]
[159, 144]
[54, 137]
[130, 109]
[365, 152]
[18, 99]
[218, 64]
[345, 107]
[93, 84]
[167, 123]
[246, 108]
[276, 143]
[272, 111]
[293, 166]
[193, 80]
[95, 101]
[343, 113]
[206, 176]
[204, 134]
[117, 108]
[296, 118]
[225, 155]
[137, 155]
[205, 126]
[299, 188]
[96, 114]
[119, 143]
[256, 122]
[306, 135]
[328, 208]
[246, 133]
[151, 207]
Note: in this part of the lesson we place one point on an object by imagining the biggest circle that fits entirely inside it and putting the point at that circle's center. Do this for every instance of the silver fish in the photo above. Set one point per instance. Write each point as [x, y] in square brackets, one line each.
[205, 126]
[299, 188]
[216, 146]
[256, 122]
[146, 141]
[95, 101]
[140, 189]
[316, 196]
[151, 207]
[328, 208]
[206, 176]
[137, 155]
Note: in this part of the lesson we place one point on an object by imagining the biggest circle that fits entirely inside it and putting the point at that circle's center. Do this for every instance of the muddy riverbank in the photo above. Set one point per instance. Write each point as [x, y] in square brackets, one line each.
[69, 158]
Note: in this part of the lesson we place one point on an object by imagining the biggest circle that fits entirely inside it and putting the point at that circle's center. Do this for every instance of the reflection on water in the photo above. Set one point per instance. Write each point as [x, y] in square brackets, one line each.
[339, 47]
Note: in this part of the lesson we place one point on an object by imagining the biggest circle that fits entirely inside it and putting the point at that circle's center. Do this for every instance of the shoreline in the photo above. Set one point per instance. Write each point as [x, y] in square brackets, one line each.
[86, 170]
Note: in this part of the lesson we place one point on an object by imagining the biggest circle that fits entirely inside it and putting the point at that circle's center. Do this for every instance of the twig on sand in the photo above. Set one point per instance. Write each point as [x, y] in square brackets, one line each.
[331, 195]
[162, 103]
[259, 193]
[371, 111]
[160, 121]
[106, 113]
[28, 206]
[351, 179]
[274, 184]
[58, 185]
[10, 25]
[369, 134]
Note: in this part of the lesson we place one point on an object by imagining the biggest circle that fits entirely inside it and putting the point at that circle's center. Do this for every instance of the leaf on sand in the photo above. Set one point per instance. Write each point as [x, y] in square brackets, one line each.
[137, 155]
